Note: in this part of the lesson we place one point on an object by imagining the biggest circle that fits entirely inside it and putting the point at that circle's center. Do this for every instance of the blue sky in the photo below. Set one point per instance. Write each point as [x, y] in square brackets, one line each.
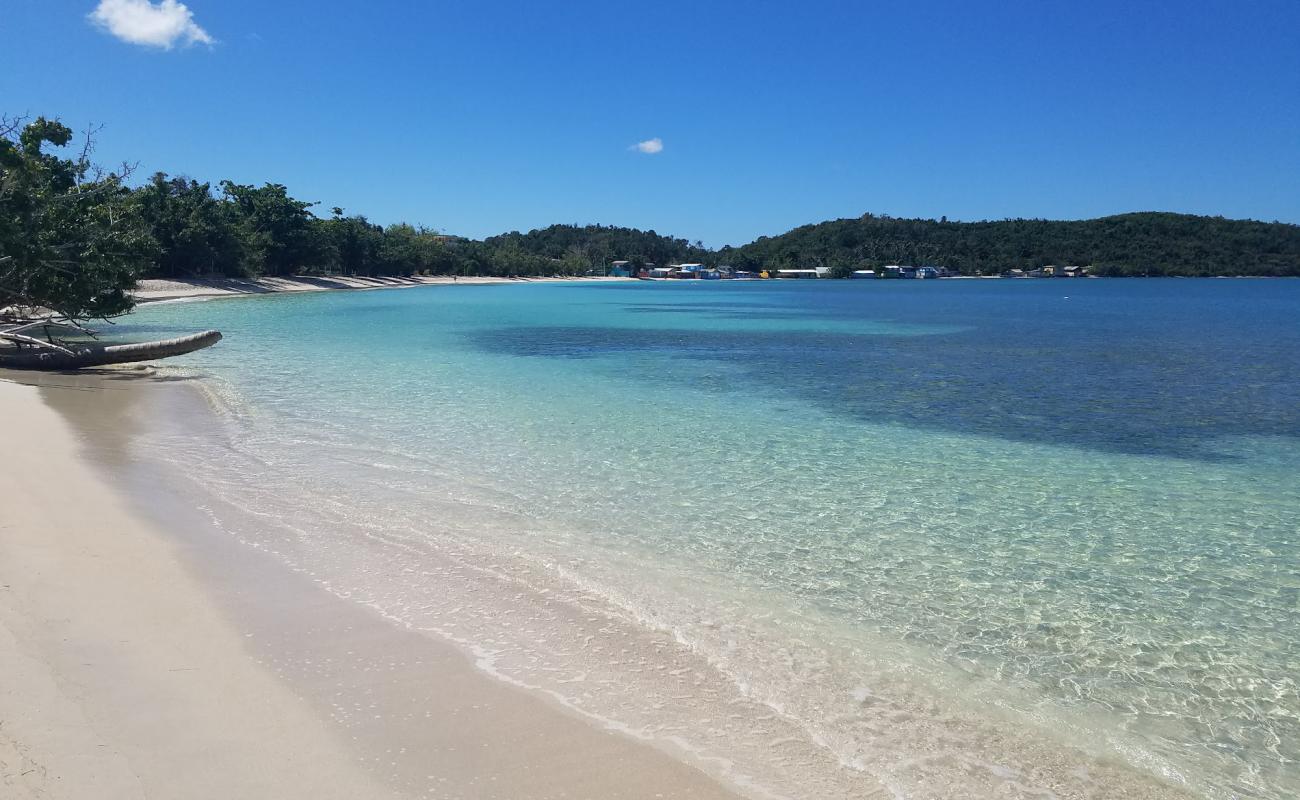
[481, 117]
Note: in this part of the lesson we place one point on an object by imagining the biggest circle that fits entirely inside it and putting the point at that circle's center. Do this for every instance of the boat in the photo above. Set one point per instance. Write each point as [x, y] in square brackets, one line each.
[81, 355]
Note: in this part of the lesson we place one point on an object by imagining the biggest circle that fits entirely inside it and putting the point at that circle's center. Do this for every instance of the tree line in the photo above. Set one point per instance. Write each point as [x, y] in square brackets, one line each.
[74, 238]
[245, 231]
[1146, 243]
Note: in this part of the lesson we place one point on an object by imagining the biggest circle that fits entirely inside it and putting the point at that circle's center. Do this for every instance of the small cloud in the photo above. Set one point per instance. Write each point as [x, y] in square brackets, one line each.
[649, 146]
[142, 22]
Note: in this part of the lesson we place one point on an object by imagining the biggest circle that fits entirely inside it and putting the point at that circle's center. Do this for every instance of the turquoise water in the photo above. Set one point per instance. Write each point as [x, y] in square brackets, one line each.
[982, 538]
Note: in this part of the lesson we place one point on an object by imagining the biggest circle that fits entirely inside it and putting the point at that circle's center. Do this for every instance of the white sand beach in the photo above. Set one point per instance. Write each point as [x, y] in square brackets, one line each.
[141, 662]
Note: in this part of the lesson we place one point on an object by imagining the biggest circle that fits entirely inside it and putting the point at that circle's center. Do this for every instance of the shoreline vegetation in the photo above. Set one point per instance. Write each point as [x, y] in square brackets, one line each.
[75, 239]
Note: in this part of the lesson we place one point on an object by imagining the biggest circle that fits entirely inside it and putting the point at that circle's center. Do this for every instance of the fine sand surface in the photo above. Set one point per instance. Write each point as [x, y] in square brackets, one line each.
[154, 290]
[148, 660]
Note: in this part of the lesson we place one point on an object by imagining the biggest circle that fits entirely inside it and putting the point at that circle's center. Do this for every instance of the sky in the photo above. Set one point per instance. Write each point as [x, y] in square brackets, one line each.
[712, 121]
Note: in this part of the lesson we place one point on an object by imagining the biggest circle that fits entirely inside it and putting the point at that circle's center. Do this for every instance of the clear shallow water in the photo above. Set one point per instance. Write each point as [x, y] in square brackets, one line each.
[986, 537]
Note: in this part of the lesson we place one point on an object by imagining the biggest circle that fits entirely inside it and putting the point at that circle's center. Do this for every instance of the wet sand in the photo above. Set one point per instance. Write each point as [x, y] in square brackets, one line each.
[145, 654]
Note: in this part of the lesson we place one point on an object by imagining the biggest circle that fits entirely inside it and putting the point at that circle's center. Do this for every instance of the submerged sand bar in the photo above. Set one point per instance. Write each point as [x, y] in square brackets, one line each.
[145, 661]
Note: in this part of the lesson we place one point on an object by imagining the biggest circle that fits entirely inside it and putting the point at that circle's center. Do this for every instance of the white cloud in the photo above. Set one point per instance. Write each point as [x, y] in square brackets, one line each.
[649, 146]
[161, 24]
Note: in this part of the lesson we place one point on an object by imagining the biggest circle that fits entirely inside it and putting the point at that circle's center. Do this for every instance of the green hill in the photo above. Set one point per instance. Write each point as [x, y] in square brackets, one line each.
[1148, 243]
[595, 245]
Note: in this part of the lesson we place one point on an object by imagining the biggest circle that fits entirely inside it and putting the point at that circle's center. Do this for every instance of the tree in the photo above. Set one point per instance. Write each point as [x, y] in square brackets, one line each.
[71, 240]
[197, 234]
[275, 228]
[353, 244]
[575, 261]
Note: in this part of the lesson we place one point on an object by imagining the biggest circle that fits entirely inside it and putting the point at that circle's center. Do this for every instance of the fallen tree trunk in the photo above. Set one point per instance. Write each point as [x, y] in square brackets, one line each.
[98, 355]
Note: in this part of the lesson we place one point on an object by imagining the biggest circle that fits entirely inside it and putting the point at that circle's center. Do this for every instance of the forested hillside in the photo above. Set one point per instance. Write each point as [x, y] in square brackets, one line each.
[1149, 243]
[599, 244]
[246, 231]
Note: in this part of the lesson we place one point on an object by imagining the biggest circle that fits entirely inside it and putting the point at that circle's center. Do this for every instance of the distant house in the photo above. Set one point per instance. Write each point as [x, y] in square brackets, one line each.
[860, 274]
[927, 272]
[661, 272]
[621, 269]
[891, 271]
[685, 271]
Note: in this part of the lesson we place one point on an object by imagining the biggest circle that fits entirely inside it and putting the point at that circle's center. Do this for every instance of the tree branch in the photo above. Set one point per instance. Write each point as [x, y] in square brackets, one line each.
[18, 337]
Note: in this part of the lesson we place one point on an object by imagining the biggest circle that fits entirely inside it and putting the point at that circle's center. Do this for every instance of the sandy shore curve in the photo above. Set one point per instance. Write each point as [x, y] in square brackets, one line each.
[141, 662]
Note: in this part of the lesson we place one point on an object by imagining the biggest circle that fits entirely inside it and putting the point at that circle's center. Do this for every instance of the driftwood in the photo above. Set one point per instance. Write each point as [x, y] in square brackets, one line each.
[78, 356]
[44, 322]
[41, 343]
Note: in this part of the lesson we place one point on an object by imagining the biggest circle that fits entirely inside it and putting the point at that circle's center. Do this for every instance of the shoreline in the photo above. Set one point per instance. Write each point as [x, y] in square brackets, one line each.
[159, 290]
[147, 657]
[156, 290]
[118, 671]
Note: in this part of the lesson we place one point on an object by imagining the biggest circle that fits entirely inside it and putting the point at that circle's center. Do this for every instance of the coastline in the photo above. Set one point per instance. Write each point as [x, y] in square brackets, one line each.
[156, 290]
[147, 657]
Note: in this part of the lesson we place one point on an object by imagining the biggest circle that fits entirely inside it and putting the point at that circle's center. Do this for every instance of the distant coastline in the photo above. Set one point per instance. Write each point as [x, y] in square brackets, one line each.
[157, 290]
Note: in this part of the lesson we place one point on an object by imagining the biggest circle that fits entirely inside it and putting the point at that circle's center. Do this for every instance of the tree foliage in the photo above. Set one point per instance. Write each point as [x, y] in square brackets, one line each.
[195, 232]
[71, 239]
[278, 232]
[1148, 243]
[596, 245]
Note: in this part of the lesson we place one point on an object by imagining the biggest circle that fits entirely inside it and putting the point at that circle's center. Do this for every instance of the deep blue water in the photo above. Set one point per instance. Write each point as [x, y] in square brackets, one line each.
[1142, 367]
